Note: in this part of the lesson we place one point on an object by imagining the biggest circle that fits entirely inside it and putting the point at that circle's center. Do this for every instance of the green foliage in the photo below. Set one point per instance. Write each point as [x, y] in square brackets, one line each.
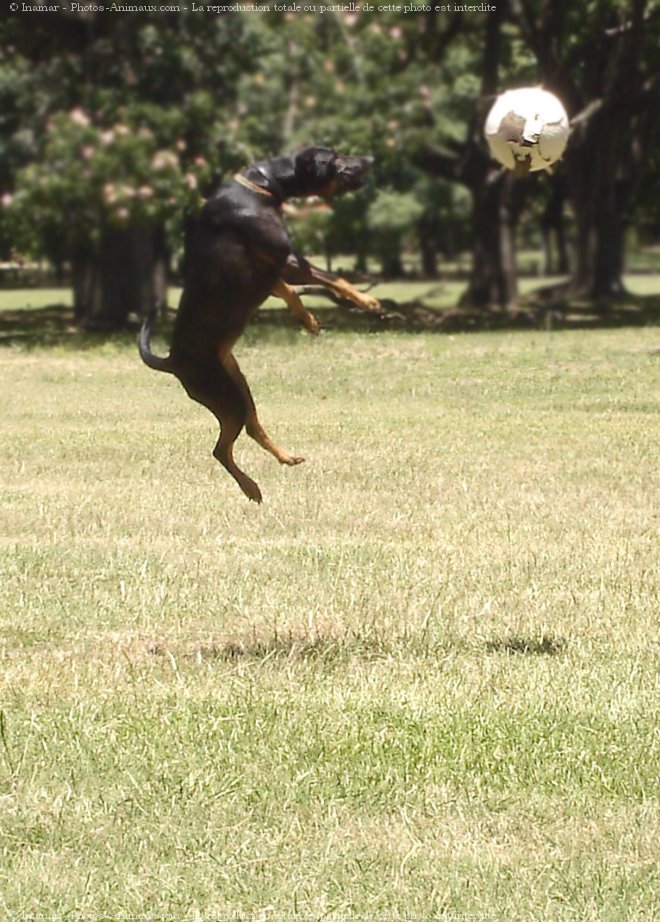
[218, 91]
[390, 218]
[394, 213]
[311, 232]
[120, 126]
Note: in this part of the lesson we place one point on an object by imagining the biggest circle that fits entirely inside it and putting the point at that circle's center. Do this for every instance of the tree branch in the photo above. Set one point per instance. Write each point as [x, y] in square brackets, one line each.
[586, 114]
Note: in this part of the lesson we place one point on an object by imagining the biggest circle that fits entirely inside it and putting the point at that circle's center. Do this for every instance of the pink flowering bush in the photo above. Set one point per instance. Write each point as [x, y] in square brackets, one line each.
[93, 176]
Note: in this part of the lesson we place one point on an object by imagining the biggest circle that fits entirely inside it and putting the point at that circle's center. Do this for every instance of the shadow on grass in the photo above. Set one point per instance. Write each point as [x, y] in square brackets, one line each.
[531, 314]
[538, 646]
[289, 646]
[367, 644]
[325, 648]
[54, 325]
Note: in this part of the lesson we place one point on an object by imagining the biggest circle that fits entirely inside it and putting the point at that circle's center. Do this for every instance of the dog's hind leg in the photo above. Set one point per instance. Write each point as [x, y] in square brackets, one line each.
[216, 389]
[252, 425]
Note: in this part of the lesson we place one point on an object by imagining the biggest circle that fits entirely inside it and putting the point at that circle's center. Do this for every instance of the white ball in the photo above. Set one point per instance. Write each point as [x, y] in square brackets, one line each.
[527, 127]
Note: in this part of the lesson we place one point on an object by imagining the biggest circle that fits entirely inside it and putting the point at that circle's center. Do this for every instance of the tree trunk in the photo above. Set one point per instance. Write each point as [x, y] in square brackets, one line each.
[600, 206]
[563, 262]
[361, 254]
[599, 257]
[361, 263]
[425, 236]
[553, 229]
[390, 257]
[121, 282]
[493, 278]
[83, 280]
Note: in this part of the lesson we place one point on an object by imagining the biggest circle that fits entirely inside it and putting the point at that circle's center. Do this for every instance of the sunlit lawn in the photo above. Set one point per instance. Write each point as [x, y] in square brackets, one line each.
[421, 678]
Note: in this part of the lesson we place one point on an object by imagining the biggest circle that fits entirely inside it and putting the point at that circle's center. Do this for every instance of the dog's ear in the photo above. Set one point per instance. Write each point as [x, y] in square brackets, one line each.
[314, 166]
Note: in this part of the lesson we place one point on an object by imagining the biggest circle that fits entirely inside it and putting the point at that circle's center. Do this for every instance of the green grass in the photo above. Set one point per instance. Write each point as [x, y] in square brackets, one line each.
[421, 678]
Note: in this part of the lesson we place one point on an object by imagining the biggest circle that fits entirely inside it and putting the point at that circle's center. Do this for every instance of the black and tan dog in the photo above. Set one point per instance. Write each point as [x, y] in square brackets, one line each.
[238, 253]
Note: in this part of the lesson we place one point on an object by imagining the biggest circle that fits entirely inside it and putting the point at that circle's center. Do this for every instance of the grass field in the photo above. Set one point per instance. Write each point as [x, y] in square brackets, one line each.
[419, 682]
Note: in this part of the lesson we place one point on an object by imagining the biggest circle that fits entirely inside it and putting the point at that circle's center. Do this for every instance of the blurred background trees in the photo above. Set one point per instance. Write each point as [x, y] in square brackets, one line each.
[113, 127]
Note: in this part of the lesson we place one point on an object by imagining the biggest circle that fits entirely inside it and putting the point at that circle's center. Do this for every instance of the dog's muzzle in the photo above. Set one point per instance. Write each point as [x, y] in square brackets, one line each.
[350, 172]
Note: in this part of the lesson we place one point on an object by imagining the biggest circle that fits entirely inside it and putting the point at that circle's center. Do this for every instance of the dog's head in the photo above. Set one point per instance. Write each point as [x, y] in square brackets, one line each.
[320, 171]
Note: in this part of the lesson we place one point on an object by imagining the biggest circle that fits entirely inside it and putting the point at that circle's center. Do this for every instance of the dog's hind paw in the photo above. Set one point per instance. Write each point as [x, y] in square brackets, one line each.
[311, 324]
[251, 489]
[285, 458]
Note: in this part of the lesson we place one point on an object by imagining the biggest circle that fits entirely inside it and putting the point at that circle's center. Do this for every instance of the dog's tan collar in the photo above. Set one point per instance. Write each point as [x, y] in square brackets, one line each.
[244, 181]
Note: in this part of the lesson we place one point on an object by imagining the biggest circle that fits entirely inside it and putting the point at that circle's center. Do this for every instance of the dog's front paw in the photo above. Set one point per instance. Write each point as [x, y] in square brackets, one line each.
[369, 303]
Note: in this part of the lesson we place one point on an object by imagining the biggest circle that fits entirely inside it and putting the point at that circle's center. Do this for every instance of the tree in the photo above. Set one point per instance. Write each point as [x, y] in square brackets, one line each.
[553, 227]
[493, 277]
[110, 122]
[130, 119]
[100, 198]
[601, 58]
[390, 218]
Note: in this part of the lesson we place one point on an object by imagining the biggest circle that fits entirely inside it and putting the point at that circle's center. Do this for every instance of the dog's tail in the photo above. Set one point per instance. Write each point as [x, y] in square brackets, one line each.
[147, 356]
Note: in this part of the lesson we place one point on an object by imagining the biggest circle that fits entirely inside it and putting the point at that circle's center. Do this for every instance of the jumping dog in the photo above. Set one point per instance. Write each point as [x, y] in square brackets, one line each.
[237, 253]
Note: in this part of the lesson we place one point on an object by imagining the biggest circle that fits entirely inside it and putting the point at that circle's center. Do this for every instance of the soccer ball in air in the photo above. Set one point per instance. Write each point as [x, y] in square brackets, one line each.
[527, 129]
